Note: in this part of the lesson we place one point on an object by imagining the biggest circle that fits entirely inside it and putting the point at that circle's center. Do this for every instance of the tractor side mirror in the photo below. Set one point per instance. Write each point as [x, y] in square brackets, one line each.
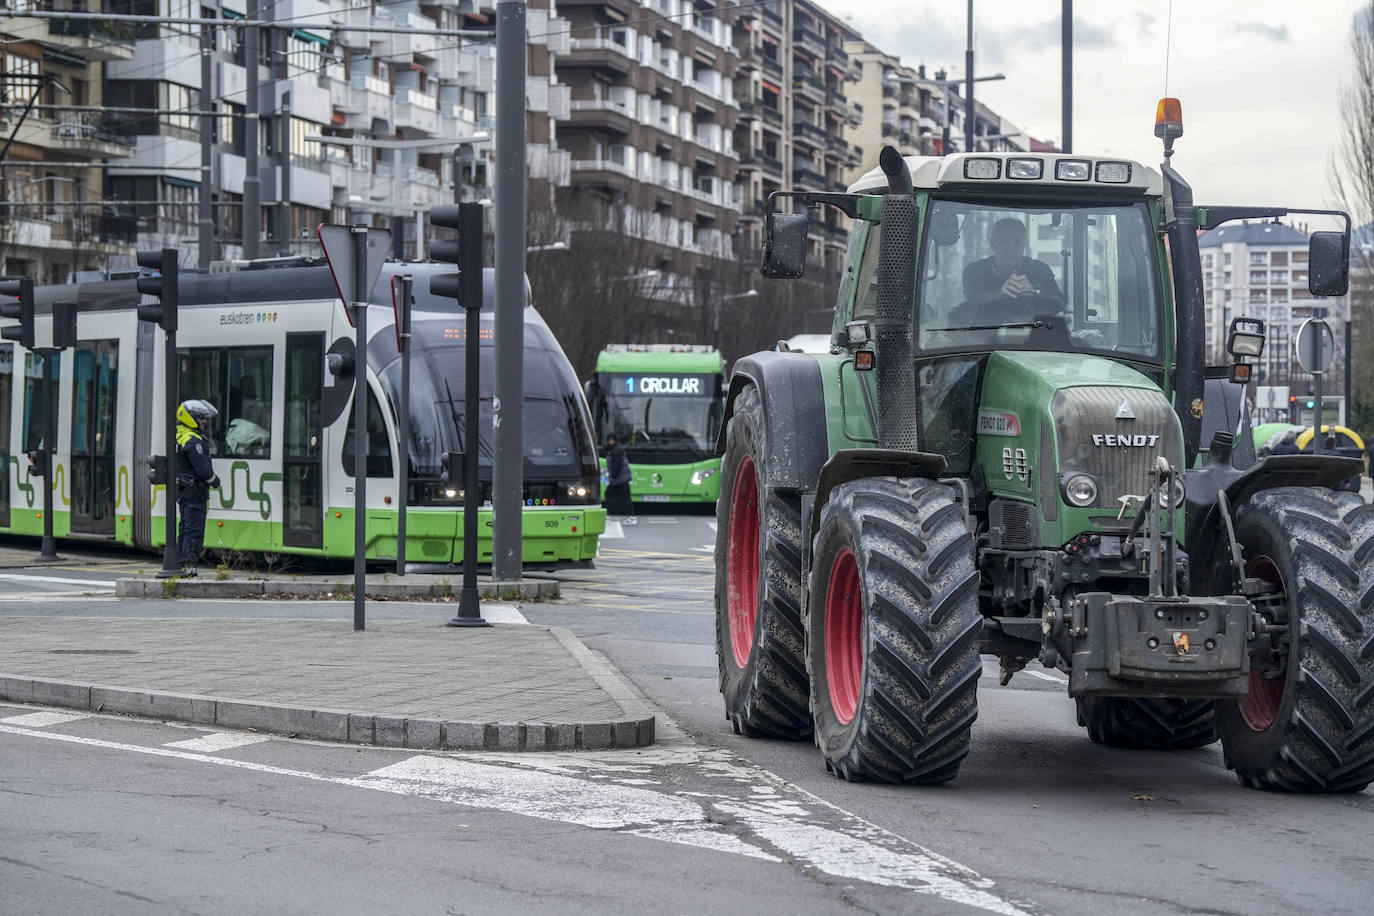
[784, 245]
[1328, 264]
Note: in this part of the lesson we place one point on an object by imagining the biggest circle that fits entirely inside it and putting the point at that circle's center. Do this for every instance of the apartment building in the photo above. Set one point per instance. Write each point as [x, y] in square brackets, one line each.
[650, 133]
[793, 132]
[1259, 270]
[54, 220]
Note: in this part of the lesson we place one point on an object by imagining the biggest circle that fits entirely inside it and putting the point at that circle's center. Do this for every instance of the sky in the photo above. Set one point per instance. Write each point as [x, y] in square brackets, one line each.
[1259, 80]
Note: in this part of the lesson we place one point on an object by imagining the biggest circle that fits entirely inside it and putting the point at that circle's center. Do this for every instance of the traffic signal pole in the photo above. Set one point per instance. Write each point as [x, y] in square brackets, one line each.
[47, 553]
[164, 315]
[359, 306]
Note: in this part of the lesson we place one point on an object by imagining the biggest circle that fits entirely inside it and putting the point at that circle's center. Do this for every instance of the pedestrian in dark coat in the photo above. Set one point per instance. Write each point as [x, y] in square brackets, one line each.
[618, 477]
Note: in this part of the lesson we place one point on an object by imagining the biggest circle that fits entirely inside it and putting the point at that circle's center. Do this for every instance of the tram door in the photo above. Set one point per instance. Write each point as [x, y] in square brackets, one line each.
[6, 411]
[95, 367]
[302, 472]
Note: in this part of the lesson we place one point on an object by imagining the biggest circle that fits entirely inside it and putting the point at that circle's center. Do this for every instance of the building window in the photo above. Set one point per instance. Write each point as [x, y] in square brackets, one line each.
[15, 88]
[1259, 257]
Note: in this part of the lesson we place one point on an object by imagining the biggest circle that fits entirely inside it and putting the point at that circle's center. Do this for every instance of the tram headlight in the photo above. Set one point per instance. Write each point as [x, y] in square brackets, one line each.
[579, 491]
[701, 475]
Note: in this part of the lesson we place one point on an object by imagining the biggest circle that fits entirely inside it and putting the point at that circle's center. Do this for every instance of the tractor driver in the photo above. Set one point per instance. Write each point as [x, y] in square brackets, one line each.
[1008, 274]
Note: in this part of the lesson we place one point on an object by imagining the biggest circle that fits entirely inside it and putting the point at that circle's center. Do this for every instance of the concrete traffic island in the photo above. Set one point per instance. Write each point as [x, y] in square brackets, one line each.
[380, 587]
[406, 684]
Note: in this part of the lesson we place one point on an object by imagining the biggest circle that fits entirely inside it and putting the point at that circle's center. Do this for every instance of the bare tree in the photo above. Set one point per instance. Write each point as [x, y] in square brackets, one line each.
[1353, 181]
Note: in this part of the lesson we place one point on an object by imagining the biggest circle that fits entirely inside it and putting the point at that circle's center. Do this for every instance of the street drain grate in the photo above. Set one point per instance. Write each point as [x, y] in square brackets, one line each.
[92, 652]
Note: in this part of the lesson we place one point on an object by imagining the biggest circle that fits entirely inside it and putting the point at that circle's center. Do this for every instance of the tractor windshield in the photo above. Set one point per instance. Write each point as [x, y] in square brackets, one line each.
[1062, 277]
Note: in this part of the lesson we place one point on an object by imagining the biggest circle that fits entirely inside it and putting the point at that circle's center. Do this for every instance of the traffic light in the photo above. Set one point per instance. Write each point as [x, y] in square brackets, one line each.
[64, 325]
[22, 288]
[465, 251]
[164, 287]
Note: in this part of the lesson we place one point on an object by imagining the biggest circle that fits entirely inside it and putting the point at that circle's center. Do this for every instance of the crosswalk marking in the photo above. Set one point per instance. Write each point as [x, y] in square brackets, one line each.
[218, 741]
[782, 824]
[1044, 677]
[42, 719]
[60, 580]
[613, 531]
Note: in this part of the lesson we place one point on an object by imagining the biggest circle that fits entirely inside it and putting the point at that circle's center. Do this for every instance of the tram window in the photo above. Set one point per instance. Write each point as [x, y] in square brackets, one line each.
[378, 442]
[238, 381]
[33, 397]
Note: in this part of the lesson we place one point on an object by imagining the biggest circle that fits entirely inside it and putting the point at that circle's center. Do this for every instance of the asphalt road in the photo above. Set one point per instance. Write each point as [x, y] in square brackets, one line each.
[115, 815]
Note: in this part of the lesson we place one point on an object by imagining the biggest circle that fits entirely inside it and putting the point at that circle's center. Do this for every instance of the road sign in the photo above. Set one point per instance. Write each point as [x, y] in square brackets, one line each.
[338, 251]
[1315, 332]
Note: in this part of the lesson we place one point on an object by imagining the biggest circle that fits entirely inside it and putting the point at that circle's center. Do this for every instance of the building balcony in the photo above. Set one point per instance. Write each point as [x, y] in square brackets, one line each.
[771, 66]
[416, 111]
[79, 135]
[804, 133]
[90, 39]
[603, 113]
[809, 88]
[600, 54]
[771, 13]
[421, 42]
[807, 178]
[808, 41]
[749, 111]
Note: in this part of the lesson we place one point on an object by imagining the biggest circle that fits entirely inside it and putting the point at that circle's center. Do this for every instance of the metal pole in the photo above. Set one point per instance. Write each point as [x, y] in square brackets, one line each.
[48, 552]
[507, 473]
[361, 295]
[1066, 96]
[284, 157]
[458, 174]
[470, 293]
[403, 423]
[207, 126]
[171, 557]
[968, 84]
[1349, 404]
[1318, 338]
[252, 189]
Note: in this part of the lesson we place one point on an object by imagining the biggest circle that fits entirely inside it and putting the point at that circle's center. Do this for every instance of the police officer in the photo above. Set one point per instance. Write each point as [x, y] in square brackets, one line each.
[195, 476]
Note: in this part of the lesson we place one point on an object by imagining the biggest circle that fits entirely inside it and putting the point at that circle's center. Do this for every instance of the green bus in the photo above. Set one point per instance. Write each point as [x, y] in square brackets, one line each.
[664, 402]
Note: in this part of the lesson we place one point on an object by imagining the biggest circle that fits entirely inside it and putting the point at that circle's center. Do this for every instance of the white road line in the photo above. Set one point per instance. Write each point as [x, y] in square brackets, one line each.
[711, 525]
[501, 613]
[860, 851]
[1045, 676]
[705, 548]
[662, 521]
[613, 531]
[218, 741]
[42, 719]
[93, 583]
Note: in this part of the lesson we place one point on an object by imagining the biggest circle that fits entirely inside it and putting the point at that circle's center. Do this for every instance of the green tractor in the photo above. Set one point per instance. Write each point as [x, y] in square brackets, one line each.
[1001, 455]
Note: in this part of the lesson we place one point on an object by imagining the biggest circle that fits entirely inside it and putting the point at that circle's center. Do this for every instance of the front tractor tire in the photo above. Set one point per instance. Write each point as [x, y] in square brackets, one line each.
[1155, 724]
[893, 632]
[760, 646]
[1307, 724]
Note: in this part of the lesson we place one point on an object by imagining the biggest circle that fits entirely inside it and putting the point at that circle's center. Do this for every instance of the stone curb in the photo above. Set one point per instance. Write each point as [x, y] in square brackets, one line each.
[333, 724]
[524, 590]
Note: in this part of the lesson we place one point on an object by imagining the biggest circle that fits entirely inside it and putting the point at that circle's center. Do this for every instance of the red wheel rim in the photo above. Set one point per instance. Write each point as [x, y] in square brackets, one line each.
[844, 615]
[1260, 707]
[743, 570]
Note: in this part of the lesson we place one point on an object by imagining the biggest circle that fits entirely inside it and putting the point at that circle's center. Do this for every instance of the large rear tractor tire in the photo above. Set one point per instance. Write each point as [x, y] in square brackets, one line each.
[1307, 724]
[892, 632]
[760, 646]
[1169, 724]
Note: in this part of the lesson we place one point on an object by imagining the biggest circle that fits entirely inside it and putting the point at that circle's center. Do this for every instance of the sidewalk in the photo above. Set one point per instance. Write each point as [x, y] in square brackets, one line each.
[396, 684]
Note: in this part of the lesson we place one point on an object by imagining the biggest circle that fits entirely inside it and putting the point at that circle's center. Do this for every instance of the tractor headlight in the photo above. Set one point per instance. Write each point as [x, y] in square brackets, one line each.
[1172, 496]
[700, 476]
[1080, 490]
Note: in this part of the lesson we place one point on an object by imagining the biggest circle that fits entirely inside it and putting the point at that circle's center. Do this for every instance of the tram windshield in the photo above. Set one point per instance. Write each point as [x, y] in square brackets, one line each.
[557, 438]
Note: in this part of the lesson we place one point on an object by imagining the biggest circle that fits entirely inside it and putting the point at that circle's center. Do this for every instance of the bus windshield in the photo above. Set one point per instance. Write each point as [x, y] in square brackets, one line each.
[1061, 277]
[662, 417]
